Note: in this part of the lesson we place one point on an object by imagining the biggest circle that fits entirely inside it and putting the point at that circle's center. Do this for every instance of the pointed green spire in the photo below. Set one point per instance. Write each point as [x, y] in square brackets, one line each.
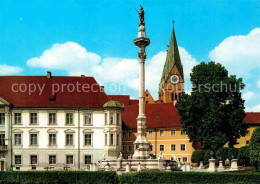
[172, 59]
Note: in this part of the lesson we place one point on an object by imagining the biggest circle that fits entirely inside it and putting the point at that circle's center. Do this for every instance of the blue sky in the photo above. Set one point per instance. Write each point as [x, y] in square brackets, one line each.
[103, 32]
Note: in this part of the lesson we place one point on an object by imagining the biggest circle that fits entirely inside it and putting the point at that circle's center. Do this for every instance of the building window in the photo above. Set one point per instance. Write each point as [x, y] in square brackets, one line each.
[69, 139]
[88, 140]
[34, 159]
[33, 138]
[173, 132]
[2, 118]
[33, 118]
[105, 118]
[173, 147]
[17, 118]
[111, 139]
[130, 134]
[111, 118]
[52, 118]
[88, 159]
[123, 135]
[182, 147]
[183, 132]
[17, 139]
[2, 139]
[52, 139]
[18, 159]
[69, 159]
[161, 132]
[161, 147]
[69, 118]
[117, 118]
[88, 119]
[52, 159]
[150, 133]
[117, 139]
[124, 148]
[151, 147]
[184, 159]
[130, 148]
[105, 139]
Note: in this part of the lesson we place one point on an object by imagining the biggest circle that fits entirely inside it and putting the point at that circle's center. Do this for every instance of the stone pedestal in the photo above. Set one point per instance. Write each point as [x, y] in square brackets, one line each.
[127, 168]
[119, 163]
[188, 167]
[212, 165]
[220, 167]
[139, 167]
[183, 168]
[201, 165]
[234, 166]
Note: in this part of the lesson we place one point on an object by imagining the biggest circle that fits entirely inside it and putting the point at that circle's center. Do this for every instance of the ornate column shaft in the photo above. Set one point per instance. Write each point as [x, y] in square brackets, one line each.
[142, 145]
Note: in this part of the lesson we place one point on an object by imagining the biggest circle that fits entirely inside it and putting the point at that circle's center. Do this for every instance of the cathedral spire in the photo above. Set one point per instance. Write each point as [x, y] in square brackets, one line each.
[172, 61]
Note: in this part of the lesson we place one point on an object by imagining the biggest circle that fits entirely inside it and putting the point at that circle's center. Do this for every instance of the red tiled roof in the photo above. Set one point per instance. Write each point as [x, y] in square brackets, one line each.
[158, 116]
[252, 118]
[134, 102]
[78, 98]
[122, 99]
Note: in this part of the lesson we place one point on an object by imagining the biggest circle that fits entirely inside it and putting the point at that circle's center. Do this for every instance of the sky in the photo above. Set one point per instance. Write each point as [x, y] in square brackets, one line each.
[95, 38]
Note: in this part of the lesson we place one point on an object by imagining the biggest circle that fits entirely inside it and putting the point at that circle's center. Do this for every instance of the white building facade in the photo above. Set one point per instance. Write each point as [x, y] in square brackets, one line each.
[54, 138]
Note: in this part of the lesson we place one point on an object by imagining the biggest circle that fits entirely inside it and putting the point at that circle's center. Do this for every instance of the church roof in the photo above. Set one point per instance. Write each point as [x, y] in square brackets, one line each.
[172, 59]
[91, 97]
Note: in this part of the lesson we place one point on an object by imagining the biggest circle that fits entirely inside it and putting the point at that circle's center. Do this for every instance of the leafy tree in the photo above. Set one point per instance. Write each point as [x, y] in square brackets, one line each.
[232, 153]
[243, 156]
[213, 114]
[206, 157]
[254, 148]
[222, 154]
[197, 156]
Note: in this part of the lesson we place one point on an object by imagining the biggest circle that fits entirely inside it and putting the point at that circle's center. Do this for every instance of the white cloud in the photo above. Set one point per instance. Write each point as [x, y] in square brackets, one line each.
[9, 70]
[248, 95]
[76, 60]
[253, 109]
[239, 54]
[69, 56]
[258, 83]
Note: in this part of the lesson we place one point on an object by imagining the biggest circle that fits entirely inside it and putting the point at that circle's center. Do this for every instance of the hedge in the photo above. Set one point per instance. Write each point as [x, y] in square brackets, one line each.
[58, 177]
[80, 177]
[197, 156]
[189, 177]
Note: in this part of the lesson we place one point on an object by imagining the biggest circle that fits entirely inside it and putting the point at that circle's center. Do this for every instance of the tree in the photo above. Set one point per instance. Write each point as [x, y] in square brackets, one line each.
[222, 154]
[197, 156]
[254, 148]
[243, 156]
[213, 114]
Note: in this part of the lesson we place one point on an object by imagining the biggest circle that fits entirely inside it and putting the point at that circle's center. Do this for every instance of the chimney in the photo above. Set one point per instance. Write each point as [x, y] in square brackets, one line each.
[82, 75]
[48, 75]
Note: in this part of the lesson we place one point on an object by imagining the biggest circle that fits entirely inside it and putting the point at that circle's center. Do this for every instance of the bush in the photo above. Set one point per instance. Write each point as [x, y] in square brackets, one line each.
[58, 177]
[197, 156]
[232, 153]
[254, 148]
[222, 154]
[243, 156]
[189, 177]
[206, 157]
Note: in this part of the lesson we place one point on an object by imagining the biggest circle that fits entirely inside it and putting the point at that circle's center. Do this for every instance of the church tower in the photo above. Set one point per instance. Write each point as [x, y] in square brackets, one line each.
[172, 80]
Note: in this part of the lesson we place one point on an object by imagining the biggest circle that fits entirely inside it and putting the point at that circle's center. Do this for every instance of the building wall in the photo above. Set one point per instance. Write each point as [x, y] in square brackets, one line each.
[97, 150]
[156, 140]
